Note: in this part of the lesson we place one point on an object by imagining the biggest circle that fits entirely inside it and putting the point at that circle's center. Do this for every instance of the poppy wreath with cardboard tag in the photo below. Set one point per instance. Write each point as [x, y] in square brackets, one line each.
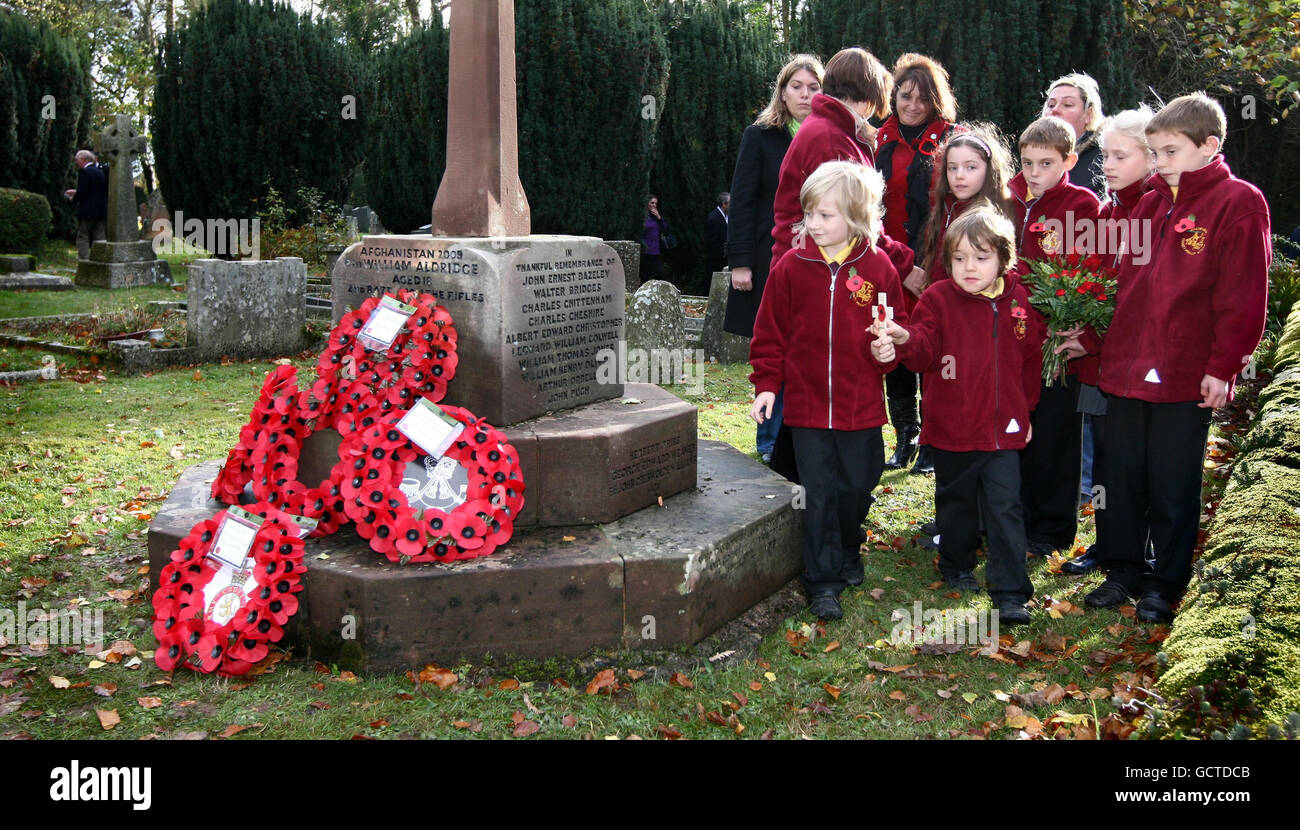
[188, 635]
[420, 361]
[270, 445]
[369, 475]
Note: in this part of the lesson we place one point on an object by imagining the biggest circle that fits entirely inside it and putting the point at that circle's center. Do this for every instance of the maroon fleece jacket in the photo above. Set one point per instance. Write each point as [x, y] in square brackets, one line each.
[983, 365]
[812, 336]
[1198, 306]
[829, 133]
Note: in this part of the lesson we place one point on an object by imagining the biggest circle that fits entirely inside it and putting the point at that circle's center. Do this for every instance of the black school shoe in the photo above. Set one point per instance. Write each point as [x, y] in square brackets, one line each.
[924, 461]
[1108, 595]
[1013, 612]
[1083, 565]
[826, 607]
[853, 576]
[1040, 549]
[964, 581]
[1154, 608]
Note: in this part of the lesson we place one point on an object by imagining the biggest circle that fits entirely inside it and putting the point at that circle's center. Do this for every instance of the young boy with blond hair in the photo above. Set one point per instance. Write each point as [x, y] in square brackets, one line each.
[811, 337]
[1185, 324]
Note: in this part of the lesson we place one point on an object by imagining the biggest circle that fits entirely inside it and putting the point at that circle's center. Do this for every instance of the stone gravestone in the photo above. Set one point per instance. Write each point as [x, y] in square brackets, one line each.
[630, 253]
[157, 219]
[246, 309]
[720, 345]
[124, 260]
[654, 318]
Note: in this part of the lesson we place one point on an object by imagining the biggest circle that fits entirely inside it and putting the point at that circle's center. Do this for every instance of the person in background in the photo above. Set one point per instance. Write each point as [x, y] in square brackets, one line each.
[924, 112]
[653, 240]
[91, 198]
[715, 237]
[749, 224]
[1076, 100]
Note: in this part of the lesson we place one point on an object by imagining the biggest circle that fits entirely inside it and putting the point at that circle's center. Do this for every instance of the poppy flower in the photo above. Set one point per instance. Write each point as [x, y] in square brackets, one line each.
[410, 536]
[467, 528]
[500, 529]
[1185, 224]
[247, 650]
[385, 538]
[854, 282]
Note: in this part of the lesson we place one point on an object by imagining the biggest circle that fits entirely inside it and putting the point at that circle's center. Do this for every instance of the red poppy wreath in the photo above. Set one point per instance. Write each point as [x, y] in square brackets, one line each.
[210, 616]
[463, 505]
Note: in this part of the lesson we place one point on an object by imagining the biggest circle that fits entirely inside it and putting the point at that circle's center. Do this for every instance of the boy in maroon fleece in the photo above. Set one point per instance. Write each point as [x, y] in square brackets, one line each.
[1185, 324]
[981, 351]
[812, 337]
[854, 87]
[1050, 212]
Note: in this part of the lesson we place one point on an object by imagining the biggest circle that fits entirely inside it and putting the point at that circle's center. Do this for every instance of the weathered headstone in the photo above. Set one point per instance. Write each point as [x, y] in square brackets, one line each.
[531, 313]
[720, 345]
[246, 309]
[124, 260]
[654, 318]
[630, 253]
[155, 216]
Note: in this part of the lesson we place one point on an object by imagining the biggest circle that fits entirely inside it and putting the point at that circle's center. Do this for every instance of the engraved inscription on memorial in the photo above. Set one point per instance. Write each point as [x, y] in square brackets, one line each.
[391, 267]
[652, 463]
[568, 312]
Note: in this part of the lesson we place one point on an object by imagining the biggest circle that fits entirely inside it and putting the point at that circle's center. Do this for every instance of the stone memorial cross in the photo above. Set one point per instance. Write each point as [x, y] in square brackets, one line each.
[119, 145]
[480, 193]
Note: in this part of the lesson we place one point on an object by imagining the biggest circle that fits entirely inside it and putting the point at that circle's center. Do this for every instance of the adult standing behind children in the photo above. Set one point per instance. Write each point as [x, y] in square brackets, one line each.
[749, 225]
[1076, 100]
[924, 112]
[91, 199]
[1186, 322]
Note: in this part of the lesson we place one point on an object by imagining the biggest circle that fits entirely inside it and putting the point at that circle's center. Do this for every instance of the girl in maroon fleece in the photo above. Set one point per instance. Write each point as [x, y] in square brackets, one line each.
[811, 337]
[981, 351]
[1185, 324]
[973, 167]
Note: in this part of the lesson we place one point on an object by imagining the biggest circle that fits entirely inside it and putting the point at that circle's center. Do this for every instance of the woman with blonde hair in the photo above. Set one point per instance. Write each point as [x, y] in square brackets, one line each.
[753, 190]
[1075, 99]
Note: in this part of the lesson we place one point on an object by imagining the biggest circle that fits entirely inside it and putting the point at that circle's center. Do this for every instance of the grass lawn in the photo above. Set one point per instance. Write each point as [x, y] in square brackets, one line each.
[85, 463]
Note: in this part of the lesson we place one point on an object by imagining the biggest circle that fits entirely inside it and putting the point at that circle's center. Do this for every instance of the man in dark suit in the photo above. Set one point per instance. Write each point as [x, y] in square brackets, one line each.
[715, 237]
[91, 198]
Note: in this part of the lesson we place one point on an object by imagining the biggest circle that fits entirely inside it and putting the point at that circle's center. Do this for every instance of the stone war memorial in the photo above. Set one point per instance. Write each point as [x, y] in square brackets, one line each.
[633, 533]
[124, 260]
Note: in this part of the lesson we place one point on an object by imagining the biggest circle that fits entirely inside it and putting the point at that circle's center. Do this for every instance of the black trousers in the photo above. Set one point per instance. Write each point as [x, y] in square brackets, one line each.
[1155, 454]
[652, 267]
[1051, 467]
[838, 470]
[1099, 501]
[900, 389]
[969, 486]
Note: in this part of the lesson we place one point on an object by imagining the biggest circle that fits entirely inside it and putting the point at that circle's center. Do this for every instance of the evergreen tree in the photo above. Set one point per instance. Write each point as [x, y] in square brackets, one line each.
[40, 134]
[723, 67]
[591, 79]
[409, 135]
[250, 93]
[1000, 55]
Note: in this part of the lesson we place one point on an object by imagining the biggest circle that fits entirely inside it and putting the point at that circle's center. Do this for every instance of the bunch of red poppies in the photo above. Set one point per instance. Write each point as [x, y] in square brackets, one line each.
[1070, 291]
[192, 633]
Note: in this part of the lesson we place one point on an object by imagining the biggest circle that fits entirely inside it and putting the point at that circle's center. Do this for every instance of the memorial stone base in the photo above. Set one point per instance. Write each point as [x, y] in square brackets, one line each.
[662, 577]
[122, 265]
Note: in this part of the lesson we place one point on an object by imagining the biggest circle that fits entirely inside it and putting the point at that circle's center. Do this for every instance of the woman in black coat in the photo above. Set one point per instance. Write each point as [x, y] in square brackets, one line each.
[1076, 100]
[753, 192]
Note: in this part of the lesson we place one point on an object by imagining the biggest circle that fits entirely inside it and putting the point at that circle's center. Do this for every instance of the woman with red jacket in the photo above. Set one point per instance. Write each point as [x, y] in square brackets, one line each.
[924, 111]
